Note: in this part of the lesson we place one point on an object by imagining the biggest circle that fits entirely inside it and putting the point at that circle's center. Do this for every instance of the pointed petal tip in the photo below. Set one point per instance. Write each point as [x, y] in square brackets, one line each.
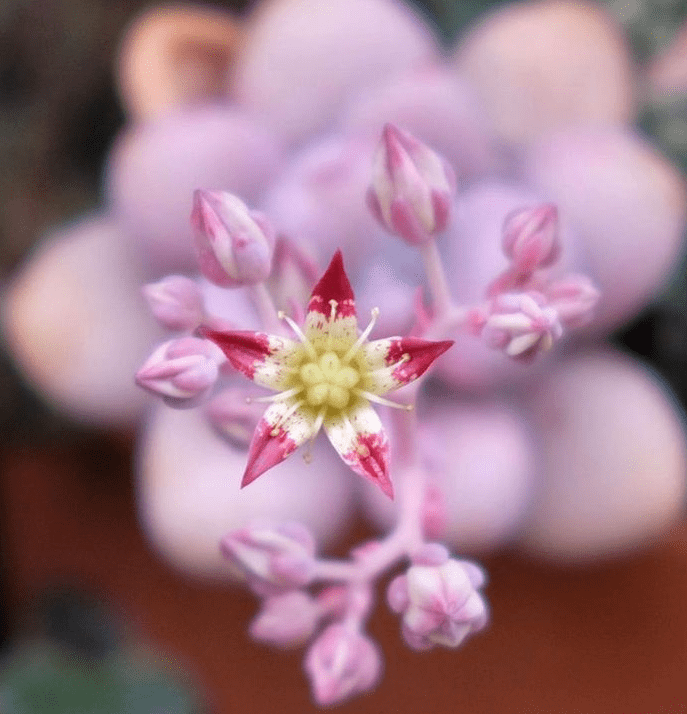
[387, 488]
[333, 286]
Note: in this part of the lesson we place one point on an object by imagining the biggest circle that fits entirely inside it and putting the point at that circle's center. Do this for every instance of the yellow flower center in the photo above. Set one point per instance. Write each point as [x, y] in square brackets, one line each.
[328, 381]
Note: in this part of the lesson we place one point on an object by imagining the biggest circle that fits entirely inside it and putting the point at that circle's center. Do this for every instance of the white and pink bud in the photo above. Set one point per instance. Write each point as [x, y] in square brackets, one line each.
[341, 663]
[176, 302]
[234, 245]
[530, 237]
[272, 559]
[182, 371]
[286, 620]
[412, 187]
[292, 278]
[574, 298]
[235, 416]
[439, 600]
[523, 325]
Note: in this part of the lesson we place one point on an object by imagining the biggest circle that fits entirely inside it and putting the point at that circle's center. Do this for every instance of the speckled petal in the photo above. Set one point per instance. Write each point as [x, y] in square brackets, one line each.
[331, 318]
[359, 437]
[265, 359]
[396, 361]
[278, 434]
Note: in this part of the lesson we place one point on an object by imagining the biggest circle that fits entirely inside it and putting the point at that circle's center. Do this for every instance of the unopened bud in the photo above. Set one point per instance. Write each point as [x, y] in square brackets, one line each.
[182, 371]
[234, 245]
[522, 325]
[530, 237]
[273, 559]
[439, 603]
[574, 297]
[286, 620]
[176, 302]
[234, 416]
[292, 279]
[412, 187]
[341, 663]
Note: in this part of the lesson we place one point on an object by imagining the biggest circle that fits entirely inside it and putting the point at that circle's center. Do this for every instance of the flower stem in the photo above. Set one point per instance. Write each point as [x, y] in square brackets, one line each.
[436, 277]
[267, 312]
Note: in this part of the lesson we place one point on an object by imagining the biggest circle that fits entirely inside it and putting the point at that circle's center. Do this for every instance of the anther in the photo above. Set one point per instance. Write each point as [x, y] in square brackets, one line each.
[363, 336]
[380, 400]
[299, 333]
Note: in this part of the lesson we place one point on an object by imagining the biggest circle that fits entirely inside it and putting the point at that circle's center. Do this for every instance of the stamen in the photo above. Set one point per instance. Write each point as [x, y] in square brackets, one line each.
[307, 455]
[279, 397]
[380, 400]
[332, 316]
[299, 333]
[363, 336]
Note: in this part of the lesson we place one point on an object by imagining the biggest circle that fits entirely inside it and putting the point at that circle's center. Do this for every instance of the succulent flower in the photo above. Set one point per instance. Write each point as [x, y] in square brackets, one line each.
[562, 219]
[326, 379]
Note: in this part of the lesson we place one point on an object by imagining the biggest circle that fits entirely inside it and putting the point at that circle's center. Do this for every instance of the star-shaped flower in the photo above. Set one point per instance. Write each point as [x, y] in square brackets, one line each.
[326, 379]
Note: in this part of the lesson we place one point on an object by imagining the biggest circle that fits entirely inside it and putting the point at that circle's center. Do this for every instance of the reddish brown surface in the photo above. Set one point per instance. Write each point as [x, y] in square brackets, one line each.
[612, 639]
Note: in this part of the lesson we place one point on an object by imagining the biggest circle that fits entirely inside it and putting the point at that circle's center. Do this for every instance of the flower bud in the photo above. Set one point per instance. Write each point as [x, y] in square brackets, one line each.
[293, 277]
[521, 324]
[286, 620]
[233, 244]
[176, 302]
[273, 559]
[412, 187]
[439, 603]
[341, 663]
[182, 371]
[574, 298]
[234, 417]
[530, 237]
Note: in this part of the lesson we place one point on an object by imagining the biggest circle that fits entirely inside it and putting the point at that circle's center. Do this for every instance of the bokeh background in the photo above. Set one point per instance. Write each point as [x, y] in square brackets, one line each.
[91, 620]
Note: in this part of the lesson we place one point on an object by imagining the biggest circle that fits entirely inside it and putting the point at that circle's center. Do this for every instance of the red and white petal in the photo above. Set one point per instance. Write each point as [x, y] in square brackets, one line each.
[280, 431]
[391, 363]
[331, 323]
[359, 437]
[266, 359]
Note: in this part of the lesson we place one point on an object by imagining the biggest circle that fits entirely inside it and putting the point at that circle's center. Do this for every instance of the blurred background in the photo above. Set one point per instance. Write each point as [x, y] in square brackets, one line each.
[92, 621]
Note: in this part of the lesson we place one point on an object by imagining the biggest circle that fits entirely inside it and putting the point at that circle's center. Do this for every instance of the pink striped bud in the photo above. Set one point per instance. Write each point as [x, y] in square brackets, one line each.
[574, 297]
[521, 324]
[234, 245]
[272, 559]
[412, 187]
[530, 237]
[342, 663]
[286, 620]
[438, 600]
[182, 371]
[234, 416]
[176, 302]
[293, 277]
